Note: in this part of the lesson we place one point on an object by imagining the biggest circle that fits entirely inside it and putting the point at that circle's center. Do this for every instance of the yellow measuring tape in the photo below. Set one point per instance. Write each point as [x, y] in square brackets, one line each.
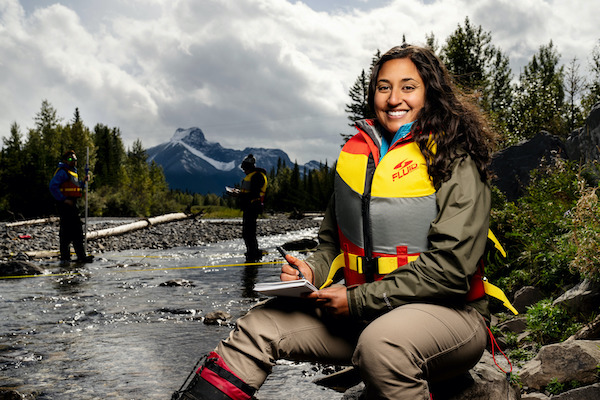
[147, 269]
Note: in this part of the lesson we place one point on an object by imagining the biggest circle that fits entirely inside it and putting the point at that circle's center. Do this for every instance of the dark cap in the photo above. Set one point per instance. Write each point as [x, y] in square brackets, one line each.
[69, 156]
[248, 162]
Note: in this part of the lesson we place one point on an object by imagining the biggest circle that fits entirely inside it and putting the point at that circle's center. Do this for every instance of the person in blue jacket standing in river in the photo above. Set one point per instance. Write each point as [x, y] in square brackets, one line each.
[66, 188]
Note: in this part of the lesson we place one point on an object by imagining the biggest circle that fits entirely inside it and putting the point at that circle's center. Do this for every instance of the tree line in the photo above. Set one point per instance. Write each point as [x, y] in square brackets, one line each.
[123, 182]
[547, 96]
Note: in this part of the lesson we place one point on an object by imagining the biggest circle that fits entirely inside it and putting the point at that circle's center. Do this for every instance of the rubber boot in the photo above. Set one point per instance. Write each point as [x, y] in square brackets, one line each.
[215, 381]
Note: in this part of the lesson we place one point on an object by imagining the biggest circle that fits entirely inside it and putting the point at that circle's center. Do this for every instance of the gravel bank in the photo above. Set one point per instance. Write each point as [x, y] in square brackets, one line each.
[189, 232]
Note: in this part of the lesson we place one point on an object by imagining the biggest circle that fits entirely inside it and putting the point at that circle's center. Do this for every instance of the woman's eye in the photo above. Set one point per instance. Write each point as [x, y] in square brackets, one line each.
[408, 88]
[383, 88]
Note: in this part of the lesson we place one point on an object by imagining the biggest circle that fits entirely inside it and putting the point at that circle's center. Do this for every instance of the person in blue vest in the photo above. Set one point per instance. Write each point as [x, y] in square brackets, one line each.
[252, 196]
[407, 224]
[66, 188]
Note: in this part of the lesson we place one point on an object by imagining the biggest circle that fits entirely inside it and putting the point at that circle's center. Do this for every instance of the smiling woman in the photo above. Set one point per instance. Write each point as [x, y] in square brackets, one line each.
[399, 95]
[407, 224]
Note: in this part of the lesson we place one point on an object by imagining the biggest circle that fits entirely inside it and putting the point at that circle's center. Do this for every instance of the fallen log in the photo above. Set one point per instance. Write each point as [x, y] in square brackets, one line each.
[32, 222]
[134, 226]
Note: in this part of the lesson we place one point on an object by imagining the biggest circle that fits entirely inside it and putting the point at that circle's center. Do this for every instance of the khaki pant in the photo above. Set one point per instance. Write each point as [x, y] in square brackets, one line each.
[396, 354]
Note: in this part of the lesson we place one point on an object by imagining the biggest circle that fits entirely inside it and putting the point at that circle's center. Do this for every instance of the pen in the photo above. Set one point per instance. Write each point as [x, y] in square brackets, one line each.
[283, 254]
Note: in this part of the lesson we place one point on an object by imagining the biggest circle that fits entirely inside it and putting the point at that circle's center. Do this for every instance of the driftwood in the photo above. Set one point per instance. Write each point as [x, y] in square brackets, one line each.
[118, 230]
[134, 226]
[32, 222]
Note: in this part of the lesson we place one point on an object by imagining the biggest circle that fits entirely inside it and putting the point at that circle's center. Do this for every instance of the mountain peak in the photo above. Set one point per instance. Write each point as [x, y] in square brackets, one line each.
[192, 163]
[195, 134]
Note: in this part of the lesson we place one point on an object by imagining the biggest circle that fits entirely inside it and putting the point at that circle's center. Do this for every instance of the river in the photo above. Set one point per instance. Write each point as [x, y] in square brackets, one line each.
[112, 330]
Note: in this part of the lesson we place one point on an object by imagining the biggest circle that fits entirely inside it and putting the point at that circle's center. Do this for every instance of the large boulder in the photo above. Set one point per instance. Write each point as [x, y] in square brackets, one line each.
[583, 298]
[591, 392]
[20, 268]
[591, 330]
[584, 143]
[572, 360]
[526, 297]
[513, 165]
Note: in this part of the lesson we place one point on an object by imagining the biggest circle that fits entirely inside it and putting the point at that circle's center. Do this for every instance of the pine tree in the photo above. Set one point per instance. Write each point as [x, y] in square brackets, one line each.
[11, 172]
[359, 108]
[467, 54]
[539, 97]
[76, 136]
[478, 67]
[108, 167]
[592, 95]
[574, 84]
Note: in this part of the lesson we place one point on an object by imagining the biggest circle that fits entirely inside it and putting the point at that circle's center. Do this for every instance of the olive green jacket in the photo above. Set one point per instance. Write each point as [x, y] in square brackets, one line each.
[457, 240]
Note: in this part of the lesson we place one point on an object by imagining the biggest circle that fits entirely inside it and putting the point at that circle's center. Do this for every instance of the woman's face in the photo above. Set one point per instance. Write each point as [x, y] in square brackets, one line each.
[399, 94]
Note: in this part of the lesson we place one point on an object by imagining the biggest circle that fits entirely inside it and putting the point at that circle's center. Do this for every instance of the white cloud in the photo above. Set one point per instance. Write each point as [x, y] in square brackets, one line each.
[259, 73]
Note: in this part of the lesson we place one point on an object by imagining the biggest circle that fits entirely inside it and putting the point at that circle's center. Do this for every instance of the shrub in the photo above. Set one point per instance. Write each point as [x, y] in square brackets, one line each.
[585, 235]
[550, 324]
[555, 387]
[535, 231]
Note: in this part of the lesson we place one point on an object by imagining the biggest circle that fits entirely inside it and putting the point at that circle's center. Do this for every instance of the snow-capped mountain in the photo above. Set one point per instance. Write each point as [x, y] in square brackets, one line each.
[192, 163]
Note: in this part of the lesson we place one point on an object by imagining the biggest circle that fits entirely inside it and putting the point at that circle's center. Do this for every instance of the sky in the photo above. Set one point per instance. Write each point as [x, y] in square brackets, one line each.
[249, 73]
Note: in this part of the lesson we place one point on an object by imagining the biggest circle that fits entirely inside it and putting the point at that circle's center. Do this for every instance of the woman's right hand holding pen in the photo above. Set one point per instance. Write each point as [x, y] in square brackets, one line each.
[289, 273]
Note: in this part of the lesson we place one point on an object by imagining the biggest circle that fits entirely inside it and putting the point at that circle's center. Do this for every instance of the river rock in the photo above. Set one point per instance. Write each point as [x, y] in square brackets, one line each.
[11, 394]
[20, 267]
[572, 360]
[178, 283]
[301, 245]
[217, 318]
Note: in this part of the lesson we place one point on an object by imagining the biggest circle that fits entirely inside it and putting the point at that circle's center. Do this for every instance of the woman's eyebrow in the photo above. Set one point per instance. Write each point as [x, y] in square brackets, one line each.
[401, 80]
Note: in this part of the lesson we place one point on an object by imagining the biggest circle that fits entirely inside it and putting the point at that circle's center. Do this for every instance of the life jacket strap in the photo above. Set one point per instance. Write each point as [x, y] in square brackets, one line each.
[380, 265]
[497, 293]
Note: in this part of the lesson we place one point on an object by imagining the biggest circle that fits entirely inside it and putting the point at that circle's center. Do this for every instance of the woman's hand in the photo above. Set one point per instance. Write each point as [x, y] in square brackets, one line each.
[333, 300]
[289, 273]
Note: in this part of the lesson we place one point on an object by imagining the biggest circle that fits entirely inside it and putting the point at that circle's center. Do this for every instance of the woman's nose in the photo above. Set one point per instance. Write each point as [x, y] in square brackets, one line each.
[395, 98]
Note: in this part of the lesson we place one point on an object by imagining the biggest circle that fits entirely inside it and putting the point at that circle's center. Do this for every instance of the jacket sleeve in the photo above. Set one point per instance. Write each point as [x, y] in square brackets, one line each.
[58, 179]
[457, 239]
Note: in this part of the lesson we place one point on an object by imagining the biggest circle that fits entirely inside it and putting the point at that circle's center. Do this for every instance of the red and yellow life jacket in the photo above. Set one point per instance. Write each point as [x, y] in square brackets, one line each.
[71, 187]
[384, 210]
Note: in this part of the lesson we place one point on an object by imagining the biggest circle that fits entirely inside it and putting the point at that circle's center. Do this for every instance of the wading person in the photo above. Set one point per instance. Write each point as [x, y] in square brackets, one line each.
[252, 197]
[408, 222]
[66, 188]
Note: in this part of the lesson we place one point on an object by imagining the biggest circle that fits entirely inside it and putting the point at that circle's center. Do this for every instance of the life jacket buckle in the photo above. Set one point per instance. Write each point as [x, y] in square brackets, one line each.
[369, 267]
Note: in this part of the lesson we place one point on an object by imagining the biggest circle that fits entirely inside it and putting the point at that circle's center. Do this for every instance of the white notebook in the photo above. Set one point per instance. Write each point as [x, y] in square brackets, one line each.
[287, 288]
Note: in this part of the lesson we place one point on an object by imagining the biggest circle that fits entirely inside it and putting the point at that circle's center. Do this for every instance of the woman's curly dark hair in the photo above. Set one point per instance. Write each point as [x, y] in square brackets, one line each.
[455, 122]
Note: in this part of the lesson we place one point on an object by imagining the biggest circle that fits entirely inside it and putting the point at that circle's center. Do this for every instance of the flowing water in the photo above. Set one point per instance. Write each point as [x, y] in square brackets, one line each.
[110, 330]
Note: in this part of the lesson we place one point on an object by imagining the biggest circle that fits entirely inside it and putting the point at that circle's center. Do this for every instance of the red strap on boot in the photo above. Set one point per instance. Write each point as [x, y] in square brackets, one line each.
[218, 374]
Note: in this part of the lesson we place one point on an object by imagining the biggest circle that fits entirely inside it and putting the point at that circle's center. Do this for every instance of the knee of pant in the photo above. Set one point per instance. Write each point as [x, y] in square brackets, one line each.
[377, 352]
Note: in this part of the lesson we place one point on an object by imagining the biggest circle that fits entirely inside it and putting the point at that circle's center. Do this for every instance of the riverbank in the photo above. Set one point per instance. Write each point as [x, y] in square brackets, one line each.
[189, 232]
